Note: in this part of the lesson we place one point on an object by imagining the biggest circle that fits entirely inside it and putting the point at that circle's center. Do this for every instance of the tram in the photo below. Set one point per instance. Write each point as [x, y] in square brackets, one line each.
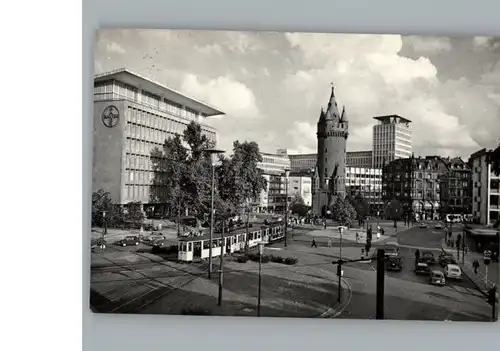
[198, 248]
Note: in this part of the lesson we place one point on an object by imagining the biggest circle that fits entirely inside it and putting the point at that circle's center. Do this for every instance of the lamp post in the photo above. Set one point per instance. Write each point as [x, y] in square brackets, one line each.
[261, 252]
[341, 230]
[105, 231]
[287, 173]
[212, 152]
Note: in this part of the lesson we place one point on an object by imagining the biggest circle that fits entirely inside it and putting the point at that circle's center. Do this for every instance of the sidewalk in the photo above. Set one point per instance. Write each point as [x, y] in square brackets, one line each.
[348, 235]
[479, 279]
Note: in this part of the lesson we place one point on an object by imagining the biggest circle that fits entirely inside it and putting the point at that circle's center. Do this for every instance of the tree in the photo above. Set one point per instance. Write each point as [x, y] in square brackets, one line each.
[360, 205]
[342, 210]
[182, 172]
[298, 205]
[102, 202]
[134, 216]
[239, 179]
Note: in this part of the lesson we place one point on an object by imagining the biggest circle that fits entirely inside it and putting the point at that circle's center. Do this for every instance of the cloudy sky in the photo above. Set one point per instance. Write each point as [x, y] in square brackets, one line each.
[273, 85]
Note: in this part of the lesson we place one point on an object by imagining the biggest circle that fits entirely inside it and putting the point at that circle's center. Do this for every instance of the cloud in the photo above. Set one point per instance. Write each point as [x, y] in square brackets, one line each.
[303, 138]
[284, 79]
[113, 47]
[426, 45]
[231, 96]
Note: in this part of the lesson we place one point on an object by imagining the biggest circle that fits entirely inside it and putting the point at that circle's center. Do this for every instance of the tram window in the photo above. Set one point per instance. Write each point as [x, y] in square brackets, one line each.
[206, 245]
[189, 246]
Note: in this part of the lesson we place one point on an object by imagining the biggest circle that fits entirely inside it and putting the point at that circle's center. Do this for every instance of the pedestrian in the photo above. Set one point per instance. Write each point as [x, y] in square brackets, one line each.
[324, 224]
[329, 242]
[314, 243]
[417, 255]
[475, 265]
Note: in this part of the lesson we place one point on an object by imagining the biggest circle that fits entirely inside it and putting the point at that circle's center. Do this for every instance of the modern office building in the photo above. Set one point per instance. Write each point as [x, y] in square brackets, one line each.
[303, 162]
[392, 139]
[485, 189]
[359, 159]
[300, 183]
[366, 182]
[132, 116]
[455, 187]
[272, 199]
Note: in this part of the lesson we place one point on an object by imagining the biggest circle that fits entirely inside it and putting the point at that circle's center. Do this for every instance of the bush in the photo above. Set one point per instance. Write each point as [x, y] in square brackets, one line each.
[196, 311]
[291, 261]
[277, 259]
[255, 257]
[242, 259]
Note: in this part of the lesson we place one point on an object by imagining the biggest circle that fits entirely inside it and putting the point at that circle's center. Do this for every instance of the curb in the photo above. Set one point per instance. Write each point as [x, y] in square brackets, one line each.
[463, 267]
[339, 307]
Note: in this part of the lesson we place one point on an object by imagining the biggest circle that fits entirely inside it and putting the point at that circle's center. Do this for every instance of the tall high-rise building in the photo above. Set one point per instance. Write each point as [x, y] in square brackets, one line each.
[133, 115]
[391, 139]
[329, 176]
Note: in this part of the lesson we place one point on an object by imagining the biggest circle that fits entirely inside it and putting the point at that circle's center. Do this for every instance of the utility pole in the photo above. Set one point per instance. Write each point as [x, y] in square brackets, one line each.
[287, 172]
[380, 283]
[261, 252]
[339, 272]
[221, 267]
[212, 210]
[105, 231]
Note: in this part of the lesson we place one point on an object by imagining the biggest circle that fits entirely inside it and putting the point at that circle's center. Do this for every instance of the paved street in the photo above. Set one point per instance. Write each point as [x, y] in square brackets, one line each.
[132, 280]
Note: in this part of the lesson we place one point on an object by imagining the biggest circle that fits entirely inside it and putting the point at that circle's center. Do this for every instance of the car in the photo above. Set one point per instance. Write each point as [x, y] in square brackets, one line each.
[391, 249]
[445, 259]
[422, 226]
[428, 257]
[438, 226]
[159, 243]
[453, 271]
[394, 263]
[153, 238]
[437, 278]
[98, 243]
[422, 268]
[129, 241]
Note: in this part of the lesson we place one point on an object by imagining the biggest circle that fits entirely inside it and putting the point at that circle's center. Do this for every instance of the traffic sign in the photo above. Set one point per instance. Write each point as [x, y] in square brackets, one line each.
[487, 260]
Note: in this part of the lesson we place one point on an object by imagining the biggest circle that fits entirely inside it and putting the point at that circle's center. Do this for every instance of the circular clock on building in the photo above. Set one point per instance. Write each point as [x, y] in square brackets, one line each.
[110, 116]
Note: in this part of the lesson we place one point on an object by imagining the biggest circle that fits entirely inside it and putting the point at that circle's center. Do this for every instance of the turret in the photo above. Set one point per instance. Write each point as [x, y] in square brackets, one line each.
[343, 116]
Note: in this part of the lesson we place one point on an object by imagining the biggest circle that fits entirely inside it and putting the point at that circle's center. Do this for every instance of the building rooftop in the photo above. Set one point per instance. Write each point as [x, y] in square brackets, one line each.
[136, 80]
[392, 118]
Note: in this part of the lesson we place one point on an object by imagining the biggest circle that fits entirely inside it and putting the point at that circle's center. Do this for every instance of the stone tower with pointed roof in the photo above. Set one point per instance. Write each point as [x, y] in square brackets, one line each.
[332, 134]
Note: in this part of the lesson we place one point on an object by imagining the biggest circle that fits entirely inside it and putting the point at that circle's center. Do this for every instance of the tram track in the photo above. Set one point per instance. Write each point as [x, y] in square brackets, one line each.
[156, 288]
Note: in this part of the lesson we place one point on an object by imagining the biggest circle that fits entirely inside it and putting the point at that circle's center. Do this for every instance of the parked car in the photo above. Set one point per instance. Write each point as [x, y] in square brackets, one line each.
[422, 225]
[445, 259]
[391, 249]
[394, 263]
[154, 237]
[438, 226]
[453, 271]
[428, 257]
[129, 241]
[422, 268]
[98, 243]
[159, 243]
[437, 278]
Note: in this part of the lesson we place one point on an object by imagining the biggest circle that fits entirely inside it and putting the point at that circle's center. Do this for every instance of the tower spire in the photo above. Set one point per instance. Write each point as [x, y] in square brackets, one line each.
[332, 111]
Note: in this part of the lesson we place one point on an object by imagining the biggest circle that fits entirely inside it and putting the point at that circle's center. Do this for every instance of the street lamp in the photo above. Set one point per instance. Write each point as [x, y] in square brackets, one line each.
[213, 154]
[287, 173]
[341, 231]
[105, 231]
[261, 252]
